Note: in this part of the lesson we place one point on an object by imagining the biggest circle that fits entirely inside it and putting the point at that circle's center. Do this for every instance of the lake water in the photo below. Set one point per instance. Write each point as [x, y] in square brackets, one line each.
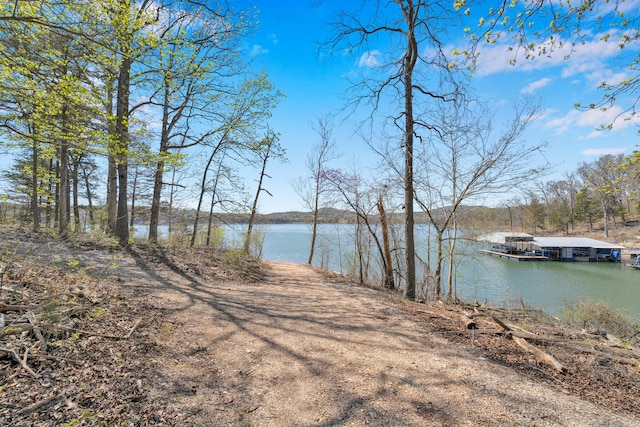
[503, 282]
[545, 285]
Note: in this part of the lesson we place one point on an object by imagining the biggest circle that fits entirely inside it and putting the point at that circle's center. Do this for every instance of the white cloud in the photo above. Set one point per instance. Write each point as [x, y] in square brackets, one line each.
[273, 38]
[602, 151]
[588, 57]
[258, 50]
[594, 119]
[369, 59]
[534, 86]
[597, 77]
[562, 124]
[591, 56]
[497, 58]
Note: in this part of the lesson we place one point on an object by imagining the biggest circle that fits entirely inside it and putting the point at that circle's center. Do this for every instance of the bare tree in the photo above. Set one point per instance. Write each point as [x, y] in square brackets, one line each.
[416, 71]
[240, 118]
[266, 149]
[361, 198]
[389, 281]
[311, 188]
[198, 61]
[469, 161]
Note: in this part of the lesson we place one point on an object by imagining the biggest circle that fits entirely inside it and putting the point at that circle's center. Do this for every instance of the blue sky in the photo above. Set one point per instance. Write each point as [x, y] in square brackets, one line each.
[286, 45]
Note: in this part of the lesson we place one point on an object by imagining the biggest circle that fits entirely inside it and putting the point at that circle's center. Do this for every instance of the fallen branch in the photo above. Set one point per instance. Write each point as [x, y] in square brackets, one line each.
[540, 355]
[133, 328]
[487, 331]
[95, 334]
[37, 405]
[36, 331]
[501, 323]
[22, 362]
[469, 323]
[4, 308]
[16, 329]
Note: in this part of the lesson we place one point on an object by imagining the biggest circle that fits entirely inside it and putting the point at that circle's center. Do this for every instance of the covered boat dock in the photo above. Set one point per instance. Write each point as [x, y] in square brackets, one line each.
[525, 247]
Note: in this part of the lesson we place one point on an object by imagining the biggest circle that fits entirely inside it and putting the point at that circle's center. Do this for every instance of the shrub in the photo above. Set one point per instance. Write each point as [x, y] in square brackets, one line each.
[600, 316]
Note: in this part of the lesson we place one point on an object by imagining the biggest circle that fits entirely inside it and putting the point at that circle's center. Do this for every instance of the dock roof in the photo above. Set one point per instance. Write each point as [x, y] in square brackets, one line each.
[506, 236]
[548, 242]
[573, 242]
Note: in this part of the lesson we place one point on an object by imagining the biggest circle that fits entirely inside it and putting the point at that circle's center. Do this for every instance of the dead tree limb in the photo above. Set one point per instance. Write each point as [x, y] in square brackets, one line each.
[4, 308]
[94, 334]
[36, 331]
[469, 323]
[501, 323]
[21, 361]
[539, 354]
[39, 404]
[133, 328]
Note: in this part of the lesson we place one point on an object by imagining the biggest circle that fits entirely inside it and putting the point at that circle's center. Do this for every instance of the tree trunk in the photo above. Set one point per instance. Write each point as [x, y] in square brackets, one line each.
[254, 208]
[35, 210]
[76, 202]
[112, 171]
[409, 61]
[605, 215]
[388, 262]
[50, 212]
[170, 207]
[452, 248]
[155, 201]
[122, 132]
[210, 219]
[437, 279]
[134, 188]
[122, 220]
[157, 182]
[203, 190]
[63, 187]
[112, 194]
[89, 199]
[359, 248]
[314, 233]
[314, 230]
[213, 202]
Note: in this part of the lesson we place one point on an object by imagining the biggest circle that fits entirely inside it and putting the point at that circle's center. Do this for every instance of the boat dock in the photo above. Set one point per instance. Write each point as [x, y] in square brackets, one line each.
[519, 257]
[525, 247]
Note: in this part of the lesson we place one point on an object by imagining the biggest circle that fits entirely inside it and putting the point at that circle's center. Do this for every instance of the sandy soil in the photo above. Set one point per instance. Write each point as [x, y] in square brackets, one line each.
[287, 345]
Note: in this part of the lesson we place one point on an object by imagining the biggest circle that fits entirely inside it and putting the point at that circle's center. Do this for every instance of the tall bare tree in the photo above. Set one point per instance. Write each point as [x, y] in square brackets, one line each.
[311, 188]
[468, 161]
[415, 71]
[268, 148]
[238, 122]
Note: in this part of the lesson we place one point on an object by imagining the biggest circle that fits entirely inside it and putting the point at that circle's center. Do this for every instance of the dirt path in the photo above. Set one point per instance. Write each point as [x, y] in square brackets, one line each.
[304, 349]
[293, 347]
